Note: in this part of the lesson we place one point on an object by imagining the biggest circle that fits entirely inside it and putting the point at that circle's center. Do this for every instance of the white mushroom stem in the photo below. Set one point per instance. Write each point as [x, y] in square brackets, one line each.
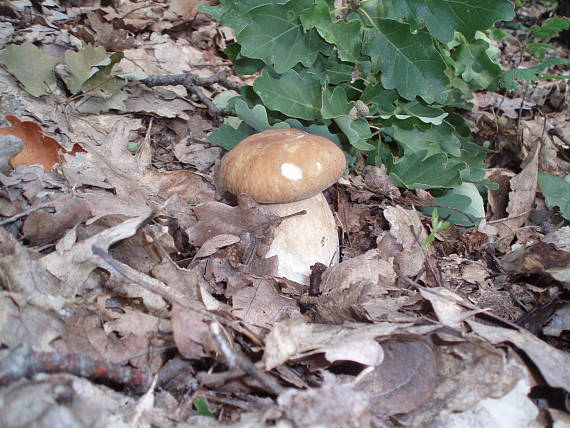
[303, 240]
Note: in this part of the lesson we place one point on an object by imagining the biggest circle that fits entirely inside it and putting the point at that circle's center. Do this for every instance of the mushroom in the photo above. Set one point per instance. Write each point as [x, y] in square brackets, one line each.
[286, 170]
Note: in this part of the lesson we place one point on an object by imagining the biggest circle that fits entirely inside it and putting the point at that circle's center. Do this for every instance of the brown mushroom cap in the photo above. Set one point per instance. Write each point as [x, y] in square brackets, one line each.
[282, 165]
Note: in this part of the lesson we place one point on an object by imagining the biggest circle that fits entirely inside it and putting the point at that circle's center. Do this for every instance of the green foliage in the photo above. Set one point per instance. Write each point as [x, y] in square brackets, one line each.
[93, 76]
[556, 192]
[38, 79]
[380, 77]
[202, 408]
[437, 225]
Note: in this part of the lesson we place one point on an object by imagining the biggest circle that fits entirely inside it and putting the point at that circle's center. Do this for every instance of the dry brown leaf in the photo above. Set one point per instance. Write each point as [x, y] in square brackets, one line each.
[404, 381]
[39, 149]
[379, 182]
[10, 146]
[42, 227]
[215, 243]
[333, 404]
[186, 8]
[401, 243]
[197, 155]
[296, 338]
[24, 323]
[37, 404]
[261, 306]
[187, 185]
[21, 270]
[521, 200]
[74, 266]
[547, 359]
[550, 257]
[357, 289]
[191, 332]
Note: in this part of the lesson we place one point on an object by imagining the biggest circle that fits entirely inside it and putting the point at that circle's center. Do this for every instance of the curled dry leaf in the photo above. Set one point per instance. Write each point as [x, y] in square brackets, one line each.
[357, 289]
[403, 241]
[521, 199]
[356, 342]
[379, 181]
[74, 266]
[547, 358]
[550, 257]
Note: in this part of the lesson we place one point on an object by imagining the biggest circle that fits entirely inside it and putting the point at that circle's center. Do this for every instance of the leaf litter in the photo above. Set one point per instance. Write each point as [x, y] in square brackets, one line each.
[130, 263]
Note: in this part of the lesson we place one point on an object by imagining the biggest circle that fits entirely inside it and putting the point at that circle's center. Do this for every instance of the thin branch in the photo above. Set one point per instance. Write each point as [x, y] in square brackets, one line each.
[236, 359]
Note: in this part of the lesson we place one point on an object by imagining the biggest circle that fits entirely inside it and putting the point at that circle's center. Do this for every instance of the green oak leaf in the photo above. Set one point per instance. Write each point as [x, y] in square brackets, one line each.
[409, 62]
[383, 99]
[228, 136]
[550, 27]
[467, 201]
[291, 94]
[96, 104]
[556, 193]
[472, 62]
[31, 66]
[425, 113]
[444, 17]
[255, 117]
[335, 103]
[278, 38]
[82, 65]
[357, 131]
[414, 136]
[344, 35]
[234, 13]
[530, 74]
[416, 171]
[330, 70]
[242, 65]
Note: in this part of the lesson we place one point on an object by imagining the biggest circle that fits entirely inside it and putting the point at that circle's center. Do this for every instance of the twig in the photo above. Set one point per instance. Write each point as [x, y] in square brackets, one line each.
[170, 297]
[25, 213]
[236, 359]
[192, 83]
[22, 361]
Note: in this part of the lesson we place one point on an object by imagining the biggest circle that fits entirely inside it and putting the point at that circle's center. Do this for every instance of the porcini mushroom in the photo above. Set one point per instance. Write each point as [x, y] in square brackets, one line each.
[286, 170]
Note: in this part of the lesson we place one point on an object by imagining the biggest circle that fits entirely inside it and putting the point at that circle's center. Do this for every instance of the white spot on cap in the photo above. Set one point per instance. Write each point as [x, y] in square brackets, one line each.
[291, 171]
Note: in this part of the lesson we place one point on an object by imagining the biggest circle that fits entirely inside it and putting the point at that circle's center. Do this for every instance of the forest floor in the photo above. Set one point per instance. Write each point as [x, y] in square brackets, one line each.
[119, 307]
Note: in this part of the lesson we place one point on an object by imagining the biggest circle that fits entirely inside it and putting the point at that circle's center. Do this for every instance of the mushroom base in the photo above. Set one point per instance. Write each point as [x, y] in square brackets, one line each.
[303, 240]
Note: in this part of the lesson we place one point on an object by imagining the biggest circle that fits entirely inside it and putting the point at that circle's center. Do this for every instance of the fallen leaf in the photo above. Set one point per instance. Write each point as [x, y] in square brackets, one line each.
[333, 404]
[42, 227]
[546, 358]
[403, 241]
[521, 200]
[215, 243]
[296, 338]
[39, 149]
[405, 380]
[261, 306]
